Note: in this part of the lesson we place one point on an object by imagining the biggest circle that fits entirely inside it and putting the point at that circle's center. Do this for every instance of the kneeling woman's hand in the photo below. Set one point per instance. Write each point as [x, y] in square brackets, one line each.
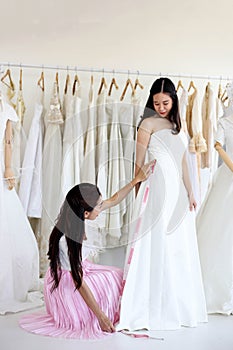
[145, 171]
[105, 324]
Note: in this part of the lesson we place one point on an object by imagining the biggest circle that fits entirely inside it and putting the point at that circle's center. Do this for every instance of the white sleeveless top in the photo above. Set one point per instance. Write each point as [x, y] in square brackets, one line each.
[63, 254]
[87, 253]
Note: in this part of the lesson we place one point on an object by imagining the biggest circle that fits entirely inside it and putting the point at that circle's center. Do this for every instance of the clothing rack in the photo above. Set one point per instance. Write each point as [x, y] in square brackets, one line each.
[112, 71]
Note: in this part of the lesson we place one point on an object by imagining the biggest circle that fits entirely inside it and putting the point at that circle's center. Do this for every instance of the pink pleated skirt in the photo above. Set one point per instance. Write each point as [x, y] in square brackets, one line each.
[67, 315]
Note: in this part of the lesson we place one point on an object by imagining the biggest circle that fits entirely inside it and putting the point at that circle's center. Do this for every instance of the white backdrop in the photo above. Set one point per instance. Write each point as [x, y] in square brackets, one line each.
[191, 37]
[169, 36]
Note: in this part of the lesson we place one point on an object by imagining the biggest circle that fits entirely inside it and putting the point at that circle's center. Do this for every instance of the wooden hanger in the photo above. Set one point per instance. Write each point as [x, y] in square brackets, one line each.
[191, 85]
[137, 83]
[91, 89]
[67, 83]
[10, 85]
[40, 82]
[102, 83]
[113, 82]
[76, 81]
[128, 83]
[207, 87]
[179, 85]
[57, 81]
[224, 96]
[20, 79]
[219, 90]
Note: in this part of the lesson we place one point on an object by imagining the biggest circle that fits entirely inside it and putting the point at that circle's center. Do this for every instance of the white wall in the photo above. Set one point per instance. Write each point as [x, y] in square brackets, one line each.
[191, 37]
[170, 36]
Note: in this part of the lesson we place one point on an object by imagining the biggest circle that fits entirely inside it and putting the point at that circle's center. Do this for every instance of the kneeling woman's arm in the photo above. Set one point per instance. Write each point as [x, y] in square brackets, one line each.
[104, 322]
[143, 173]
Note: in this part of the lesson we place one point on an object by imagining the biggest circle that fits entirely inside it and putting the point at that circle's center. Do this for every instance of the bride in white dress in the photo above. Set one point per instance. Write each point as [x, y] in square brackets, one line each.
[163, 287]
[19, 257]
[215, 228]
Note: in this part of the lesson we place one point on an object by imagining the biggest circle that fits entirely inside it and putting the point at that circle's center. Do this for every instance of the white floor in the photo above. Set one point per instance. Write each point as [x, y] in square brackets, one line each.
[217, 334]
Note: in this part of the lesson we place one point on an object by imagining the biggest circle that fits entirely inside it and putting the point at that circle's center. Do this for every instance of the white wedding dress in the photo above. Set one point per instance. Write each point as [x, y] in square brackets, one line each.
[19, 256]
[163, 284]
[215, 230]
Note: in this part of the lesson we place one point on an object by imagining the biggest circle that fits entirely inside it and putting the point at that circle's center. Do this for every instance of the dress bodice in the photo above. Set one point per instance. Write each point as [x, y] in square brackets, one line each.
[164, 145]
[224, 134]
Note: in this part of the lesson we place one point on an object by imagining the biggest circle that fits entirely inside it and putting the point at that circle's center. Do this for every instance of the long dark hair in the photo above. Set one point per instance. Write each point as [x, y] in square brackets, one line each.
[167, 87]
[70, 223]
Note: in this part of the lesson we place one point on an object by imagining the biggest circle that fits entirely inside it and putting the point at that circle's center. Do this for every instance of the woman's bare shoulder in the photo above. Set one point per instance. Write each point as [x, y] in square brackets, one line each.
[148, 124]
[156, 123]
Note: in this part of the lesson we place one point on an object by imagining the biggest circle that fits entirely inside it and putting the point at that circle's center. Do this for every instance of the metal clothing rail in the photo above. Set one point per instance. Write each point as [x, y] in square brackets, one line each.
[112, 71]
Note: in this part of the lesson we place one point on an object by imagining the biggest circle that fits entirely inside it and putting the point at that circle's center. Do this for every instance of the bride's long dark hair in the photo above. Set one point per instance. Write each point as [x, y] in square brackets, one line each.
[167, 87]
[70, 223]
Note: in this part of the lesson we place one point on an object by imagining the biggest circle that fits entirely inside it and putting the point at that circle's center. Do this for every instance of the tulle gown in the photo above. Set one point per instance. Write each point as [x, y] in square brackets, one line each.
[163, 287]
[19, 256]
[67, 315]
[215, 231]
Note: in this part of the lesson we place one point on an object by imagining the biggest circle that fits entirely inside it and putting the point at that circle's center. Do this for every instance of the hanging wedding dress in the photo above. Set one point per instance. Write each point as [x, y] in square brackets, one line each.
[67, 170]
[102, 128]
[30, 190]
[51, 172]
[129, 156]
[88, 166]
[127, 121]
[19, 256]
[19, 138]
[192, 157]
[78, 135]
[215, 231]
[95, 239]
[101, 166]
[116, 173]
[209, 127]
[163, 284]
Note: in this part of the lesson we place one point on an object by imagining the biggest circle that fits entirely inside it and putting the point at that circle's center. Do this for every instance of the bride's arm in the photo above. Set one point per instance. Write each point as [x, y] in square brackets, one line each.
[143, 139]
[187, 183]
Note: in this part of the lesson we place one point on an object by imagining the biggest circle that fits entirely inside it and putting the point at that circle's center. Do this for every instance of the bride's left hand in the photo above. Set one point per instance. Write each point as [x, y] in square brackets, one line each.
[192, 202]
